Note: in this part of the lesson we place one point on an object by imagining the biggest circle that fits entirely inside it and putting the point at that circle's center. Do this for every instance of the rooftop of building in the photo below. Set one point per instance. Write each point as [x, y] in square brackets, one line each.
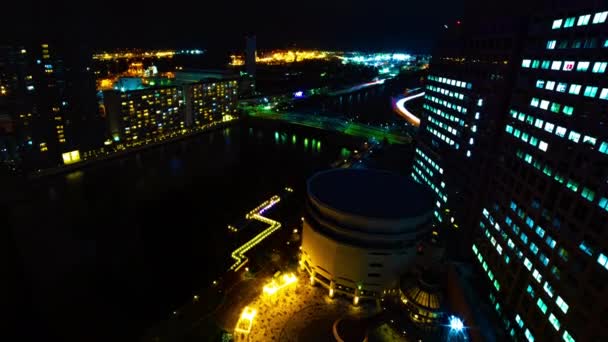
[370, 193]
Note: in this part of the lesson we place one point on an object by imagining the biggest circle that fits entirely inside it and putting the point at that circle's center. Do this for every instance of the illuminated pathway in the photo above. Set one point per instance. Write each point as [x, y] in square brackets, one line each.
[400, 108]
[256, 214]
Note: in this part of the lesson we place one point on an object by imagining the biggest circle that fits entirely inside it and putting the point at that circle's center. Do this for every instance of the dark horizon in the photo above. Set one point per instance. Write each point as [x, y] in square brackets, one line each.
[342, 25]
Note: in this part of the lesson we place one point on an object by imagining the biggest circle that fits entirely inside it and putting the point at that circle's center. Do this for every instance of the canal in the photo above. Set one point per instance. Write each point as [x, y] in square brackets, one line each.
[107, 251]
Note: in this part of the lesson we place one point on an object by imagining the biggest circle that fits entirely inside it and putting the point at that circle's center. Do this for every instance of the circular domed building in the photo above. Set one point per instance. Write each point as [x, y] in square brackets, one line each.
[361, 228]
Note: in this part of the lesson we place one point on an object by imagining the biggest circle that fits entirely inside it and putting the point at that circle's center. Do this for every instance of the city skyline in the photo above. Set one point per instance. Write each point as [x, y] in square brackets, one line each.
[342, 25]
[398, 195]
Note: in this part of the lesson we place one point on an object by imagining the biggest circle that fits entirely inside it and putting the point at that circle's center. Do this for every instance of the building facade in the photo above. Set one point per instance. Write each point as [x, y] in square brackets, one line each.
[159, 112]
[358, 237]
[466, 94]
[543, 237]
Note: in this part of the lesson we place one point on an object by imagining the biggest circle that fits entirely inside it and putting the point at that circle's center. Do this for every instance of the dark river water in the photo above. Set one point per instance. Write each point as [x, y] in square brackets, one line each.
[105, 252]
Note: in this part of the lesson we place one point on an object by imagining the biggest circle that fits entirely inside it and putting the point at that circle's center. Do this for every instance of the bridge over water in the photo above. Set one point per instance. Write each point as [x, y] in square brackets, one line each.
[331, 124]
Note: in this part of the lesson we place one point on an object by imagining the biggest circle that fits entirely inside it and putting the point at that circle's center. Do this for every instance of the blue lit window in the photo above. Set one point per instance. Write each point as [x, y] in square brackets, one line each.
[540, 232]
[574, 136]
[543, 146]
[562, 304]
[554, 321]
[588, 194]
[530, 291]
[526, 63]
[550, 85]
[600, 17]
[599, 67]
[528, 264]
[585, 248]
[582, 66]
[603, 260]
[604, 94]
[538, 123]
[590, 91]
[529, 336]
[556, 65]
[541, 305]
[561, 87]
[537, 275]
[575, 89]
[557, 24]
[583, 20]
[533, 248]
[569, 22]
[543, 259]
[603, 203]
[540, 84]
[519, 321]
[530, 222]
[549, 127]
[560, 131]
[545, 65]
[567, 337]
[551, 44]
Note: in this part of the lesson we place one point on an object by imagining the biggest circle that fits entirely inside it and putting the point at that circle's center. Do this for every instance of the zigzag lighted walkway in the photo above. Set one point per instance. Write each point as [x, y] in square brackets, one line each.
[256, 214]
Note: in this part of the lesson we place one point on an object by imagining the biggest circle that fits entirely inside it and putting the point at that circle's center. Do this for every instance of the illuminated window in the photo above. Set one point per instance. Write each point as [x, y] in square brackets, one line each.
[575, 89]
[561, 87]
[604, 147]
[568, 110]
[526, 63]
[562, 304]
[530, 291]
[533, 248]
[519, 321]
[569, 22]
[538, 123]
[556, 65]
[574, 136]
[599, 67]
[582, 66]
[590, 91]
[551, 44]
[529, 336]
[589, 140]
[544, 104]
[540, 84]
[569, 65]
[550, 85]
[534, 102]
[549, 127]
[543, 259]
[604, 94]
[602, 259]
[555, 107]
[567, 337]
[583, 20]
[542, 306]
[528, 264]
[550, 242]
[600, 17]
[545, 65]
[557, 23]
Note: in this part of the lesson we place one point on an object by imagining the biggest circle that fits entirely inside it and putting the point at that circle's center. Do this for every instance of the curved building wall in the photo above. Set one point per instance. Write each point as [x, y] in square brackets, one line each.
[344, 267]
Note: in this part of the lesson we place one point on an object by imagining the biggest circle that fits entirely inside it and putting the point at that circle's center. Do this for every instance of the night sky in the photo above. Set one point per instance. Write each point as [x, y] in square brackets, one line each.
[331, 24]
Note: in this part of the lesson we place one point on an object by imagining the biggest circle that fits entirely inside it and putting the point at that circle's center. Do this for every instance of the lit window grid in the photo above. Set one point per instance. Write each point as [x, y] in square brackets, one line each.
[578, 66]
[439, 123]
[571, 184]
[495, 283]
[452, 82]
[441, 136]
[445, 92]
[528, 138]
[428, 181]
[445, 103]
[549, 127]
[572, 88]
[429, 160]
[583, 20]
[548, 290]
[444, 114]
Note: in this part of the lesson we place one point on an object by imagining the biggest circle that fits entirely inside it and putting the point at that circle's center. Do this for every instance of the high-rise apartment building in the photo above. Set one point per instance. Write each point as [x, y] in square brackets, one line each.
[465, 99]
[147, 113]
[543, 236]
[43, 90]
